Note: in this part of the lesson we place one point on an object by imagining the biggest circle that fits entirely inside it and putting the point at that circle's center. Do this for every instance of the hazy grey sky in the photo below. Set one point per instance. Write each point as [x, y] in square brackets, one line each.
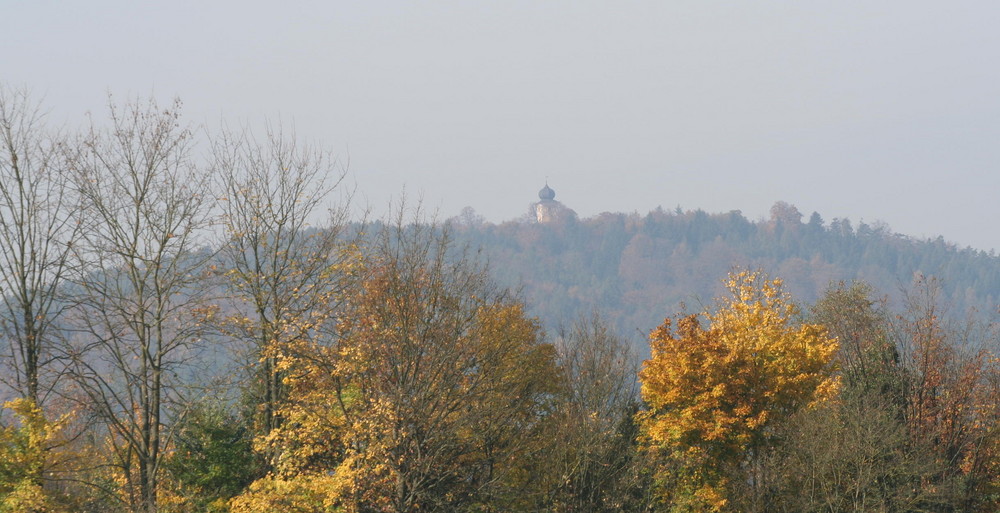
[871, 110]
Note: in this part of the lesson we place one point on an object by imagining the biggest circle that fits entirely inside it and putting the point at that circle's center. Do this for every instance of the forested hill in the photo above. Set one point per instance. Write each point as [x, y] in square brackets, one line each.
[637, 269]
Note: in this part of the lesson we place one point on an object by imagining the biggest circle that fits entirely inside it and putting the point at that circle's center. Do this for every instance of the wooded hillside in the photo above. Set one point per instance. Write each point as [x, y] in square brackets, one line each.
[634, 267]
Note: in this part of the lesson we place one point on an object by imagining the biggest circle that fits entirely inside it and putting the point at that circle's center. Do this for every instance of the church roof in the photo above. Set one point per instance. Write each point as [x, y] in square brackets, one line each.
[546, 193]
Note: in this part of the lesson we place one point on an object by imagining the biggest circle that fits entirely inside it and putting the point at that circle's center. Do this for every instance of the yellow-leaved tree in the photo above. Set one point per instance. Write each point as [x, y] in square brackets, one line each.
[715, 394]
[26, 458]
[427, 392]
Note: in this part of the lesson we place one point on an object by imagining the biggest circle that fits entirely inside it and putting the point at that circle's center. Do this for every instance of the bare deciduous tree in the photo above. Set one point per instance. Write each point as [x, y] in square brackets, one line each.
[594, 458]
[37, 230]
[139, 308]
[283, 272]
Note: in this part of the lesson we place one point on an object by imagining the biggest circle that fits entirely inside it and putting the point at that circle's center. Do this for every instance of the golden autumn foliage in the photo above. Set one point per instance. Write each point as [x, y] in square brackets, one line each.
[25, 457]
[715, 393]
[424, 396]
[314, 493]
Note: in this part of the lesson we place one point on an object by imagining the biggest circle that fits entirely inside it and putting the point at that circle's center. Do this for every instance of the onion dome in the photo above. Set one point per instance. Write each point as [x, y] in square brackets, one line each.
[546, 193]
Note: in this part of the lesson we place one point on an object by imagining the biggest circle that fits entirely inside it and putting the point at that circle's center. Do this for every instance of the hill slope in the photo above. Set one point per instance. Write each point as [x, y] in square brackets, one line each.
[637, 269]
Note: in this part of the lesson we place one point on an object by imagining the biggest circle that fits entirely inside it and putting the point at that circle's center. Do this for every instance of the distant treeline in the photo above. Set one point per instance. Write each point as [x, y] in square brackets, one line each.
[635, 267]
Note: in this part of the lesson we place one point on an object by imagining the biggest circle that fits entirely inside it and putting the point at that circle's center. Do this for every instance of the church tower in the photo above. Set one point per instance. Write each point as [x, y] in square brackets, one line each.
[544, 209]
[547, 209]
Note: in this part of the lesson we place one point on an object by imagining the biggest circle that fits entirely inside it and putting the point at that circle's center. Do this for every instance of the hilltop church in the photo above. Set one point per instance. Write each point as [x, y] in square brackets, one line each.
[547, 209]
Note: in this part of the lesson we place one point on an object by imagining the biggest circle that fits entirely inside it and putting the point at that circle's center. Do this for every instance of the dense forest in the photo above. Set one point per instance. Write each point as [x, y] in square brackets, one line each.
[633, 268]
[197, 330]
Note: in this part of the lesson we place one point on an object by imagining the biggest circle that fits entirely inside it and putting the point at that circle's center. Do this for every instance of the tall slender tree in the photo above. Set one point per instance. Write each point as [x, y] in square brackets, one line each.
[950, 411]
[282, 268]
[37, 231]
[595, 463]
[140, 304]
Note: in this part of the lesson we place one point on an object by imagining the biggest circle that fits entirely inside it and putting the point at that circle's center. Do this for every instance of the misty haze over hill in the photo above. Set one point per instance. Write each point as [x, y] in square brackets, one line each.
[639, 268]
